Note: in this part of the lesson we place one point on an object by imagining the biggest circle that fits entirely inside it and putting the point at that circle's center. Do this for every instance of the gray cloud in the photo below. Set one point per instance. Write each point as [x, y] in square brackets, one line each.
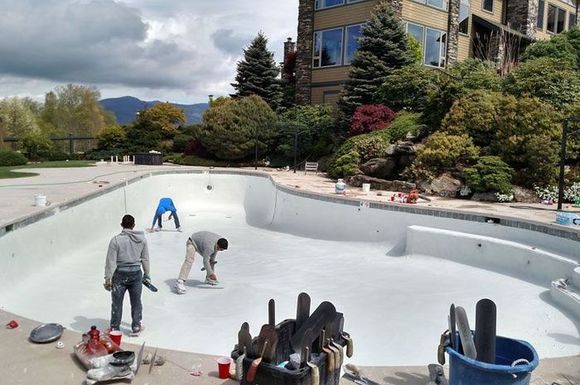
[138, 47]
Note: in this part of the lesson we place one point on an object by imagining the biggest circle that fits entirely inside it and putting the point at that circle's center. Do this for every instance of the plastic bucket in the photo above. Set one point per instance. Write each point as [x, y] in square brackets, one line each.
[40, 200]
[224, 367]
[366, 187]
[515, 361]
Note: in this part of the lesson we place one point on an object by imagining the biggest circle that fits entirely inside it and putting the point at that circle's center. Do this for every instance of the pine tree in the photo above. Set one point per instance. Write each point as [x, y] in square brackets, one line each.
[258, 73]
[383, 46]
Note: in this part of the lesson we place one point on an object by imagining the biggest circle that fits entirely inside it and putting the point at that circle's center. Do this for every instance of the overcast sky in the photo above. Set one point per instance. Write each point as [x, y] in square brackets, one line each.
[171, 50]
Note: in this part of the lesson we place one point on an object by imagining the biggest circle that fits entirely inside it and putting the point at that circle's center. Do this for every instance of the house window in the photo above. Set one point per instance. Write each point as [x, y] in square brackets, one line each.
[327, 48]
[441, 4]
[464, 9]
[320, 4]
[353, 32]
[556, 19]
[433, 43]
[540, 20]
[571, 21]
[487, 5]
[561, 20]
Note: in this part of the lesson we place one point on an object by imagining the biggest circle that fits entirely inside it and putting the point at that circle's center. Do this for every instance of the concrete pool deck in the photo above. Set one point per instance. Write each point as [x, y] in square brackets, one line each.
[27, 364]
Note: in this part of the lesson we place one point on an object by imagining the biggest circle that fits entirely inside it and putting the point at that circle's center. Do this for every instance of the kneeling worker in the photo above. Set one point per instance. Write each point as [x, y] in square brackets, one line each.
[207, 244]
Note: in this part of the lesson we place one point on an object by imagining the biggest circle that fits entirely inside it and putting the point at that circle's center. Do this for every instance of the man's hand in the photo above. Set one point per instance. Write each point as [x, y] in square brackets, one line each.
[146, 278]
[108, 285]
[212, 277]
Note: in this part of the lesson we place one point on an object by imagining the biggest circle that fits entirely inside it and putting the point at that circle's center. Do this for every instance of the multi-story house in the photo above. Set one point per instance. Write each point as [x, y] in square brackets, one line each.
[448, 31]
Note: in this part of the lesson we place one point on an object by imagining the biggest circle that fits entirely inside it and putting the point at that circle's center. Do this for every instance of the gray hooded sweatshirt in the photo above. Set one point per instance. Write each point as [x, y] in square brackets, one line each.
[127, 250]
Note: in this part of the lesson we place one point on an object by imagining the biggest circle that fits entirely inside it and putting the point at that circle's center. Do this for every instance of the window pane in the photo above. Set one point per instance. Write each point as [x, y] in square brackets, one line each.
[561, 20]
[416, 31]
[488, 5]
[316, 51]
[328, 3]
[540, 21]
[443, 49]
[433, 42]
[352, 34]
[331, 47]
[464, 9]
[551, 18]
[571, 21]
[438, 3]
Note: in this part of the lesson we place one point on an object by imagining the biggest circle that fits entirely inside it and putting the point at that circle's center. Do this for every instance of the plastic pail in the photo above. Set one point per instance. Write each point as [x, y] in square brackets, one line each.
[366, 187]
[466, 371]
[40, 200]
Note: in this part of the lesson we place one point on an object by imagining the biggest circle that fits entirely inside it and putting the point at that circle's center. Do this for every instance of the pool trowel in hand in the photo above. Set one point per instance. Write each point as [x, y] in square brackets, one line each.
[147, 283]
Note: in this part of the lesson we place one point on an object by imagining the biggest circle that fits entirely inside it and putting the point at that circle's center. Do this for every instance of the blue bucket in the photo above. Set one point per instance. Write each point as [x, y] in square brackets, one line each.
[515, 361]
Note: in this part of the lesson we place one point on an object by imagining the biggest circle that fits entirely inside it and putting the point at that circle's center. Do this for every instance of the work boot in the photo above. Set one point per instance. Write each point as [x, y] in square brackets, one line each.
[136, 331]
[180, 287]
[180, 229]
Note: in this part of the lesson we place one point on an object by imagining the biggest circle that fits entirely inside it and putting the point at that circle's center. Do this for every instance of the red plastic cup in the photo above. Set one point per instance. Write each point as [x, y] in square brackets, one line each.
[12, 324]
[116, 336]
[224, 367]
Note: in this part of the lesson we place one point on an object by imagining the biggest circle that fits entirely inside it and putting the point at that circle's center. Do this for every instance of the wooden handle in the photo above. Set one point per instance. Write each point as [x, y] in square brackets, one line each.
[314, 375]
[251, 376]
[272, 312]
[349, 347]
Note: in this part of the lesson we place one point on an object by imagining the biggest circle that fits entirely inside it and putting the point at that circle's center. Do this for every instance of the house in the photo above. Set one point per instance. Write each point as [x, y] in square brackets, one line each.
[448, 30]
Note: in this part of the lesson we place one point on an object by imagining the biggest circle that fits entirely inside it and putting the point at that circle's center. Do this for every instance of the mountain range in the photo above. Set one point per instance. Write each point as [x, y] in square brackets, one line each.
[125, 109]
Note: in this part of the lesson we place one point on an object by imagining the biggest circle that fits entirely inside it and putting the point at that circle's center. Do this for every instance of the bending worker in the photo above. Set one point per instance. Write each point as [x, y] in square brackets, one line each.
[207, 244]
[165, 205]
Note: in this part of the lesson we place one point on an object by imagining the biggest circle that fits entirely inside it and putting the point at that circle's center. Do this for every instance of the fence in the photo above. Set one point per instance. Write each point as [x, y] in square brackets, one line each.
[68, 144]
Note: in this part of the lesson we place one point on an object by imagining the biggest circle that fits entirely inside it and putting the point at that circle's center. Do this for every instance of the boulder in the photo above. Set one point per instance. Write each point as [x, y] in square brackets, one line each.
[382, 168]
[444, 185]
[484, 197]
[405, 148]
[524, 195]
[380, 184]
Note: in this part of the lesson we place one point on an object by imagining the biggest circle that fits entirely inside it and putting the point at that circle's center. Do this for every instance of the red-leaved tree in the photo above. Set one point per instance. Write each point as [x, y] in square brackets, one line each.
[370, 117]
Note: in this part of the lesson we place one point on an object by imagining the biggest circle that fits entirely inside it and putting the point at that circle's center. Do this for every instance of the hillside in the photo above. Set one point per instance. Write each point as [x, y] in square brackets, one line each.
[126, 107]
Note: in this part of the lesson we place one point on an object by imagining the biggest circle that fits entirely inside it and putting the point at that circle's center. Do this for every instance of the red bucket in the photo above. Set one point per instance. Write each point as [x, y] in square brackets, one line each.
[115, 336]
[224, 367]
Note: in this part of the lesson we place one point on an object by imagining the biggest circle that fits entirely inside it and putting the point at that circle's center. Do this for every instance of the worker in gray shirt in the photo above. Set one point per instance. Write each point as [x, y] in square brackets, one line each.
[207, 244]
[126, 255]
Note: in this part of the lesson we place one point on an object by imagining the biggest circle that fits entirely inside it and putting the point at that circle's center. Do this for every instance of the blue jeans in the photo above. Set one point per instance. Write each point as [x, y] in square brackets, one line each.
[173, 214]
[123, 281]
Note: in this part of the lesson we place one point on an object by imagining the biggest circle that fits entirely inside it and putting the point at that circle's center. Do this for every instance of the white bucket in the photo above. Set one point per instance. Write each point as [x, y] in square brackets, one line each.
[366, 187]
[40, 200]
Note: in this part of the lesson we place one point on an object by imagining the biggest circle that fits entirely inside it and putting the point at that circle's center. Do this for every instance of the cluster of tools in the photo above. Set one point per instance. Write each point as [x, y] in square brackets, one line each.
[307, 350]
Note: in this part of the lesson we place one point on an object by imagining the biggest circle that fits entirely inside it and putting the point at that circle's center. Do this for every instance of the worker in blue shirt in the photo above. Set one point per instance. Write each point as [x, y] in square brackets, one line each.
[165, 205]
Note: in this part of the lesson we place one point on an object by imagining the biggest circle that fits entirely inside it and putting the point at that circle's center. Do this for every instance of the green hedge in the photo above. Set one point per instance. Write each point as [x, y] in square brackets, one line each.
[12, 158]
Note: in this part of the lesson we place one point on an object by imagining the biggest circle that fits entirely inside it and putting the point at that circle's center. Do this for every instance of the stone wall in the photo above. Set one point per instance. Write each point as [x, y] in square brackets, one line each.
[304, 47]
[453, 32]
[521, 15]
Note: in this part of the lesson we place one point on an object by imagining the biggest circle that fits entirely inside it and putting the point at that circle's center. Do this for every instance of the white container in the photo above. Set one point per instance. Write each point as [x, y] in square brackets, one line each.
[40, 200]
[366, 188]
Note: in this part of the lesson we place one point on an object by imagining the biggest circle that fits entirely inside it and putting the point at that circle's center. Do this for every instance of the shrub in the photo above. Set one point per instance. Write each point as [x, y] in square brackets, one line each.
[442, 152]
[557, 47]
[476, 115]
[369, 118]
[490, 174]
[37, 146]
[12, 158]
[405, 123]
[112, 137]
[407, 88]
[229, 129]
[551, 80]
[358, 149]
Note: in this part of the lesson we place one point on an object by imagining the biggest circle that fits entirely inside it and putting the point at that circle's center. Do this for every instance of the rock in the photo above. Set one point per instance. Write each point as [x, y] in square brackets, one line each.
[522, 194]
[405, 148]
[380, 184]
[444, 185]
[391, 150]
[382, 168]
[484, 197]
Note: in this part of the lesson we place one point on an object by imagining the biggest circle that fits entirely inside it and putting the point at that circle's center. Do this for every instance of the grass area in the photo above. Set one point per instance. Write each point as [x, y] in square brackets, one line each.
[8, 172]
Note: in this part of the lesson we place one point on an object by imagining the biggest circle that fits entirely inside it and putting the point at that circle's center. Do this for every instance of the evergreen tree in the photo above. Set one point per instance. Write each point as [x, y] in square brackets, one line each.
[382, 47]
[258, 73]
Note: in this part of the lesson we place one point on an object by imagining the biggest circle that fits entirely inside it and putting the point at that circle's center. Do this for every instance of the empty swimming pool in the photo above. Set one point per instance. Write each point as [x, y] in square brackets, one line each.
[393, 274]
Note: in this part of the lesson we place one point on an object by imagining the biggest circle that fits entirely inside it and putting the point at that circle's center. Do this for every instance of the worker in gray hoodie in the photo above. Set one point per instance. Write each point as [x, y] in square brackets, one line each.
[207, 244]
[127, 253]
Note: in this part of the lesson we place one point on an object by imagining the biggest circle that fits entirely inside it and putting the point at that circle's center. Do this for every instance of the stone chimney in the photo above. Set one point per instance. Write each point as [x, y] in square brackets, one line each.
[289, 57]
[521, 15]
[304, 46]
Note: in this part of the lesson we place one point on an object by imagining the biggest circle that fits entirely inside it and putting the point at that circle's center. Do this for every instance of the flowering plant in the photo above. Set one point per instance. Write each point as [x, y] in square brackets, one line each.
[504, 197]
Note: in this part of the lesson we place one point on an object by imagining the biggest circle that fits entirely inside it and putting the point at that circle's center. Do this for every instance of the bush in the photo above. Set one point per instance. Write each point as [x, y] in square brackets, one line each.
[443, 152]
[405, 123]
[112, 137]
[37, 146]
[551, 80]
[476, 115]
[369, 118]
[229, 129]
[12, 158]
[357, 149]
[490, 174]
[407, 88]
[558, 47]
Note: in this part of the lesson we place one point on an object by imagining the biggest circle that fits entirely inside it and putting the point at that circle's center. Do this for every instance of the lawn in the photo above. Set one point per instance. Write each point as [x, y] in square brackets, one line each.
[8, 172]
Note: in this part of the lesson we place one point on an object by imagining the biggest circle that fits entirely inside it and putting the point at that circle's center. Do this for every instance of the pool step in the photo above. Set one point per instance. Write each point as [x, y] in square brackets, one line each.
[566, 292]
